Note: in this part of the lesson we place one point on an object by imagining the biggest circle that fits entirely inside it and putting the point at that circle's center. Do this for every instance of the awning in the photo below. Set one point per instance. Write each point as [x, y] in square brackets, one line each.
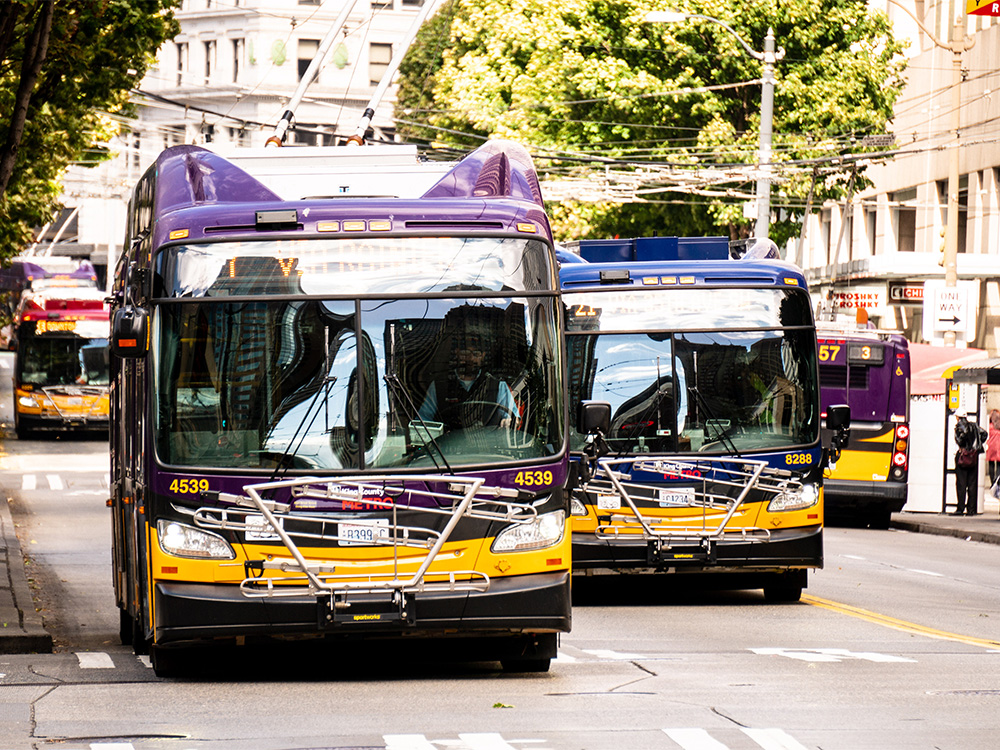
[929, 363]
[985, 372]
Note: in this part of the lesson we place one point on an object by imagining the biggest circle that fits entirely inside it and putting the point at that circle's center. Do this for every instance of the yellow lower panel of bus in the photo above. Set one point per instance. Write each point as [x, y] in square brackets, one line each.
[49, 406]
[365, 562]
[870, 463]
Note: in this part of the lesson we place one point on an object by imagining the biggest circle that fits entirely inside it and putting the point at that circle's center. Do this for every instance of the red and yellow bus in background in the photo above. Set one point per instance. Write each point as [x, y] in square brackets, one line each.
[60, 340]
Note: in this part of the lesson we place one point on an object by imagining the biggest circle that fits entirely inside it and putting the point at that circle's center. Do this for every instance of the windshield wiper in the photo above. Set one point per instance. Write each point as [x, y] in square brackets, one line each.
[722, 434]
[322, 392]
[413, 414]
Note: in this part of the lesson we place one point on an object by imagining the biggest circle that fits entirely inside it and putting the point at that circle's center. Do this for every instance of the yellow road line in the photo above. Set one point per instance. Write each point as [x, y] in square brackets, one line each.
[901, 625]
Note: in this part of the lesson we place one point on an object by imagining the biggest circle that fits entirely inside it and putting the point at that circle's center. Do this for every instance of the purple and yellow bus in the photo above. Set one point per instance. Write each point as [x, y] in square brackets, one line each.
[299, 448]
[869, 370]
[712, 463]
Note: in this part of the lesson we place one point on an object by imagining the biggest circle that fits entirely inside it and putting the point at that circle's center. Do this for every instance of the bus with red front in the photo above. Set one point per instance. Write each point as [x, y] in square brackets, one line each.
[61, 374]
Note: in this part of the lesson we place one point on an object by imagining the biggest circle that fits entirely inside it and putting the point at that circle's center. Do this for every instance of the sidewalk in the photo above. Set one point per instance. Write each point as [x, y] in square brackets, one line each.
[21, 628]
[984, 527]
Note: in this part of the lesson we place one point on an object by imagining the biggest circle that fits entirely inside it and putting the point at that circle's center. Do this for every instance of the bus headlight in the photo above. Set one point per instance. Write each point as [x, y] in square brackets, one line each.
[28, 401]
[545, 531]
[794, 499]
[181, 540]
[576, 507]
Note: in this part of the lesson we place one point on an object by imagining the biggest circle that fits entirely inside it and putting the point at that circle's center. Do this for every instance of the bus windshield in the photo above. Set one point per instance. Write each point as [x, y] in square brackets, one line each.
[301, 382]
[63, 359]
[732, 382]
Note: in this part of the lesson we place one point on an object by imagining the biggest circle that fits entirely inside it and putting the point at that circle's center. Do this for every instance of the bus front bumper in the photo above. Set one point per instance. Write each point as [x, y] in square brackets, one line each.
[787, 549]
[861, 496]
[515, 605]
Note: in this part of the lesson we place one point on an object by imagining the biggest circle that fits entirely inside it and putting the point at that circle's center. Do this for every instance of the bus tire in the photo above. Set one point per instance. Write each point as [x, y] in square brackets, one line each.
[880, 519]
[524, 666]
[784, 588]
[140, 644]
[125, 627]
[167, 662]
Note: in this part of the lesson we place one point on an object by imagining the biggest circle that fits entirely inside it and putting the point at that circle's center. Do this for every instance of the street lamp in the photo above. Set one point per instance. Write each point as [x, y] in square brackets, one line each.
[768, 57]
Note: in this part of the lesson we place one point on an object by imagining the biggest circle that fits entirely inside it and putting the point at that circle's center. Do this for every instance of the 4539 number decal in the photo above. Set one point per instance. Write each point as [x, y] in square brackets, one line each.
[533, 478]
[189, 486]
[796, 459]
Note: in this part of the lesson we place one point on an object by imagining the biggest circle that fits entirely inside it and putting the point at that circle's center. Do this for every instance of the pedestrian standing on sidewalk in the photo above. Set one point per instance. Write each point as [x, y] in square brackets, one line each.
[993, 446]
[969, 438]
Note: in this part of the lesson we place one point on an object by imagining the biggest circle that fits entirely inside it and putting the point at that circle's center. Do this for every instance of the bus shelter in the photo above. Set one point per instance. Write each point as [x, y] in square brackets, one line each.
[964, 394]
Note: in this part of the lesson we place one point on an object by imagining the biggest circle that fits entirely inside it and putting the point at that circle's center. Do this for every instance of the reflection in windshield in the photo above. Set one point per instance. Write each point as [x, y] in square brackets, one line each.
[307, 384]
[700, 392]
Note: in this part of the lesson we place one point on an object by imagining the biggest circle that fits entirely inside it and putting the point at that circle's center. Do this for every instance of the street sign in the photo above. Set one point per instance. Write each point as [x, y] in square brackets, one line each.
[950, 308]
[982, 7]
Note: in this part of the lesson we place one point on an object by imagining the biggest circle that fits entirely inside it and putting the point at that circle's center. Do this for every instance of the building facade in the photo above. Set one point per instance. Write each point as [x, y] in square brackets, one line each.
[887, 249]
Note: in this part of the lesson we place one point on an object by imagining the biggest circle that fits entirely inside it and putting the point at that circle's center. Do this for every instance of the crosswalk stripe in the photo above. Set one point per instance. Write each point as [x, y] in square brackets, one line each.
[94, 660]
[694, 739]
[485, 741]
[772, 739]
[29, 482]
[407, 742]
[55, 482]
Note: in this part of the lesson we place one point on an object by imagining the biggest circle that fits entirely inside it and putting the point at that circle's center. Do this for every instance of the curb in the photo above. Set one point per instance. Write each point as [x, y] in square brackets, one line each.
[926, 528]
[22, 631]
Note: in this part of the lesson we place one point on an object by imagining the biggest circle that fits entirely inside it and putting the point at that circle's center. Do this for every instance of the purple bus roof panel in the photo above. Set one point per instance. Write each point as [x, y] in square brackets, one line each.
[498, 169]
[191, 175]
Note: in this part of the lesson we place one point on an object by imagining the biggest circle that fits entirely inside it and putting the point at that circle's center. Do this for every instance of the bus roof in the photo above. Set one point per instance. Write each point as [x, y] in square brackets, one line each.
[52, 304]
[653, 274]
[199, 194]
[826, 330]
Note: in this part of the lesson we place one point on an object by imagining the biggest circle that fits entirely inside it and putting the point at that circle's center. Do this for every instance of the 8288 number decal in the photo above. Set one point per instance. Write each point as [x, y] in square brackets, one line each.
[189, 486]
[533, 478]
[797, 459]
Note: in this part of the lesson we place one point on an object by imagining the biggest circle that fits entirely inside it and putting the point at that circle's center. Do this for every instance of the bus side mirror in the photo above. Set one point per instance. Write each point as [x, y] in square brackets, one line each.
[130, 332]
[593, 416]
[838, 419]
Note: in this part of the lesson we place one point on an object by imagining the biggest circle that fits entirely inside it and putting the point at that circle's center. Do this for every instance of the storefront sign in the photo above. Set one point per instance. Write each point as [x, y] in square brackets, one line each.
[906, 292]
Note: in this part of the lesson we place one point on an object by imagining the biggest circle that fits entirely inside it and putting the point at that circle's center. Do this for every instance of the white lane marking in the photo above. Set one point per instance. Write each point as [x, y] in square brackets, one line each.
[29, 482]
[4, 364]
[107, 480]
[694, 739]
[925, 572]
[830, 655]
[562, 658]
[145, 661]
[55, 482]
[603, 653]
[111, 746]
[853, 557]
[772, 739]
[94, 660]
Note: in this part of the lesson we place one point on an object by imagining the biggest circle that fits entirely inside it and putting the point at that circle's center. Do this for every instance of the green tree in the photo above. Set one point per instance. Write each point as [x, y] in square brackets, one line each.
[64, 67]
[673, 109]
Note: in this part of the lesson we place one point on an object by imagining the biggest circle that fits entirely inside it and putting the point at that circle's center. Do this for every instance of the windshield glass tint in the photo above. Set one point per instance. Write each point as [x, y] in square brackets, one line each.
[706, 392]
[372, 265]
[312, 385]
[690, 308]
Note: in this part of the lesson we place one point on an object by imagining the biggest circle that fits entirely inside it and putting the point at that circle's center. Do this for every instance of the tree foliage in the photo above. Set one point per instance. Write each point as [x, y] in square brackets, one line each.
[593, 90]
[64, 67]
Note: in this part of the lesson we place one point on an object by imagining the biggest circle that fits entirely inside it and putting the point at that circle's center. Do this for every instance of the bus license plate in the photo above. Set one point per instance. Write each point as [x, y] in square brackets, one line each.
[670, 498]
[362, 534]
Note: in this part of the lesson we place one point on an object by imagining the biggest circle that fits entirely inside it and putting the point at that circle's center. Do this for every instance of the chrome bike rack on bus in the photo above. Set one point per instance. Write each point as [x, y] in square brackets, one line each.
[716, 486]
[261, 518]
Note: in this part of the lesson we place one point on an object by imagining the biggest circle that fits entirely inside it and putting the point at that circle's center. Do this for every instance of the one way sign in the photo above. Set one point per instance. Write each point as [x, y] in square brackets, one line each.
[949, 309]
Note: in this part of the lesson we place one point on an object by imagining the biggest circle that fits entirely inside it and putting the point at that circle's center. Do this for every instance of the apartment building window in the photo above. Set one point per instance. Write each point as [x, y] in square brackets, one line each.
[825, 229]
[904, 219]
[963, 207]
[237, 59]
[209, 60]
[310, 2]
[381, 4]
[182, 62]
[308, 48]
[413, 3]
[870, 225]
[379, 57]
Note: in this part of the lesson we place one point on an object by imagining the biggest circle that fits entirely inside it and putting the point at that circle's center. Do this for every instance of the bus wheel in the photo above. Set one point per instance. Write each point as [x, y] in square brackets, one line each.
[880, 519]
[125, 633]
[784, 589]
[524, 666]
[167, 662]
[140, 644]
